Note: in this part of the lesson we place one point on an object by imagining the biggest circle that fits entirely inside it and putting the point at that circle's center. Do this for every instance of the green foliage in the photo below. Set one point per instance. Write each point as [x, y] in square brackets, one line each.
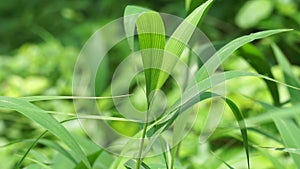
[45, 120]
[260, 132]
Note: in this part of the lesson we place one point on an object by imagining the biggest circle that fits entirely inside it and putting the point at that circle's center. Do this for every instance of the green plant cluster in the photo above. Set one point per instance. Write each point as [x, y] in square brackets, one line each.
[257, 43]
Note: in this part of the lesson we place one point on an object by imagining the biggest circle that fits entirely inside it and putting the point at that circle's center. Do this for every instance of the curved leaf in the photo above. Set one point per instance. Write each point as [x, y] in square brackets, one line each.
[221, 55]
[45, 120]
[256, 59]
[180, 38]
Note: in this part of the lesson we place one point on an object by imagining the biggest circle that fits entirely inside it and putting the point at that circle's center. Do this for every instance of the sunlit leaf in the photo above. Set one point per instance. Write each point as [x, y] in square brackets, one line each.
[151, 34]
[180, 38]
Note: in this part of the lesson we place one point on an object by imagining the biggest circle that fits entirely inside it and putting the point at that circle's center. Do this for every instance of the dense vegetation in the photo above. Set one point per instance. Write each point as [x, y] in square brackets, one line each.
[251, 121]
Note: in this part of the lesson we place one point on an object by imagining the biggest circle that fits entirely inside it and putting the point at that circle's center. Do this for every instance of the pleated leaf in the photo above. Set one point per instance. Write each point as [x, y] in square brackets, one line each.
[151, 34]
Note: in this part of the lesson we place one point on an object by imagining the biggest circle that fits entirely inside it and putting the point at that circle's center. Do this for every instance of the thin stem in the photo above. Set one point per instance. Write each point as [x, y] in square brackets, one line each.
[140, 159]
[18, 165]
[174, 153]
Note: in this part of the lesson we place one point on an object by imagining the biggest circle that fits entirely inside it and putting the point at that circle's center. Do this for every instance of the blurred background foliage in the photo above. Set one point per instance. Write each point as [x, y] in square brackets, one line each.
[40, 41]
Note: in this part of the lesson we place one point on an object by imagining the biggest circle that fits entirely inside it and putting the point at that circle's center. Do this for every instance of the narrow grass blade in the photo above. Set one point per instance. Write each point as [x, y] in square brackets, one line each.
[267, 117]
[180, 38]
[218, 58]
[289, 76]
[286, 127]
[38, 164]
[45, 120]
[289, 133]
[223, 161]
[18, 165]
[130, 16]
[265, 133]
[46, 98]
[257, 60]
[235, 110]
[239, 117]
[164, 124]
[197, 93]
[151, 34]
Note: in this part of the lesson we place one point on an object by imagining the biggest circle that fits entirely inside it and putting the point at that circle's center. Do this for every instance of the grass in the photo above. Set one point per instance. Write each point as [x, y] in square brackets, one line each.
[274, 122]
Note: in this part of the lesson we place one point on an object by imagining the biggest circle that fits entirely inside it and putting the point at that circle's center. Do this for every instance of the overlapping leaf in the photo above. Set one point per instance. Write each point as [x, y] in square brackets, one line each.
[46, 121]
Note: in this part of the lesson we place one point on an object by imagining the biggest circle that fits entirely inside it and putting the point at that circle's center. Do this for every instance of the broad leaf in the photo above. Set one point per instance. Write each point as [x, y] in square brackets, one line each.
[151, 34]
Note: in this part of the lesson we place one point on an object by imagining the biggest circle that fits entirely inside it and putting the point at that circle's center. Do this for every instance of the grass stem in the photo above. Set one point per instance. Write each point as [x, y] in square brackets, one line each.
[140, 159]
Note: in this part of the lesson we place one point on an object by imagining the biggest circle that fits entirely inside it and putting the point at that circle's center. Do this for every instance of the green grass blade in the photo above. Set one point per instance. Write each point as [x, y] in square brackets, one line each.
[289, 133]
[235, 110]
[223, 161]
[268, 116]
[130, 17]
[289, 76]
[267, 134]
[46, 98]
[257, 60]
[18, 165]
[218, 58]
[286, 127]
[197, 92]
[46, 121]
[151, 32]
[242, 125]
[180, 38]
[164, 124]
